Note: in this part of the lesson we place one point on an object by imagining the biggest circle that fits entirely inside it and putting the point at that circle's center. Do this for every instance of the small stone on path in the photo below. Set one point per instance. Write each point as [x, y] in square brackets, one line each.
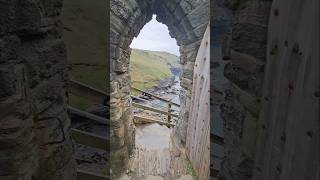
[186, 177]
[125, 177]
[154, 178]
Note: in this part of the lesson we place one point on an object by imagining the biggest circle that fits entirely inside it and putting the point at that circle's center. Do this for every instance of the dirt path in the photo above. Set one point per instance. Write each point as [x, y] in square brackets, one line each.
[157, 156]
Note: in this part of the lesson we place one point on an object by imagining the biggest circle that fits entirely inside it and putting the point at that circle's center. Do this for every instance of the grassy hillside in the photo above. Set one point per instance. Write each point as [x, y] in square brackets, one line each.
[147, 68]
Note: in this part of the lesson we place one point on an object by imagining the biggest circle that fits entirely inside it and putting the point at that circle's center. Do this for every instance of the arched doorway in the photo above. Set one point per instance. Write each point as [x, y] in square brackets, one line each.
[187, 21]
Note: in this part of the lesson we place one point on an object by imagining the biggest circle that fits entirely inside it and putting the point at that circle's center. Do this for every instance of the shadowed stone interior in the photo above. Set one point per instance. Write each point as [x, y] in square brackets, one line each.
[34, 126]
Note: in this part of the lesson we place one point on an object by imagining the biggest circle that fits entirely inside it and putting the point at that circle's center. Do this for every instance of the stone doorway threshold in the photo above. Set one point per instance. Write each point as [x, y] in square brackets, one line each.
[157, 156]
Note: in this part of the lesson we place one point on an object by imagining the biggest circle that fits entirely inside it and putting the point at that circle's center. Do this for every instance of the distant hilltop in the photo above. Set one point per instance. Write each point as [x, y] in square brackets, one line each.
[147, 68]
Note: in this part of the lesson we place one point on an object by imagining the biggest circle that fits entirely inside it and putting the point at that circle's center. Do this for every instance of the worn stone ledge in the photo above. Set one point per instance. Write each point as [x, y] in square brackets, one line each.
[246, 62]
[251, 103]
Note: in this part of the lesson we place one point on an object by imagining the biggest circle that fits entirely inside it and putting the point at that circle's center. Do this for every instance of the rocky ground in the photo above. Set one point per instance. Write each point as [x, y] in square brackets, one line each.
[163, 86]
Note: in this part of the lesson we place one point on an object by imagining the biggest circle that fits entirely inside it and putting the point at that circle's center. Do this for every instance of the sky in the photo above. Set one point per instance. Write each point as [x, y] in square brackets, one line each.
[155, 36]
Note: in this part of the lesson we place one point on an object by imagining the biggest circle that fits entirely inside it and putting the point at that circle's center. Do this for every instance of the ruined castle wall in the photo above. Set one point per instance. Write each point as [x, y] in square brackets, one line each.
[187, 21]
[34, 124]
[244, 51]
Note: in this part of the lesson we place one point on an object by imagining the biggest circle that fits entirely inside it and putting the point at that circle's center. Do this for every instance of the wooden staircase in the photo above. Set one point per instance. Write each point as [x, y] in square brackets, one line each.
[87, 138]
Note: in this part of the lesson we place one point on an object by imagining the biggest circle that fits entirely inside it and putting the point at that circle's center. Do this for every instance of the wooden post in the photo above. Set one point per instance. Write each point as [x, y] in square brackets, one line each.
[169, 111]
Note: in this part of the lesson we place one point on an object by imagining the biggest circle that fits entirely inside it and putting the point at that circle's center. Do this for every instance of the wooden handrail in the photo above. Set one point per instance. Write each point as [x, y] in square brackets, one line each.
[84, 114]
[157, 97]
[153, 109]
[90, 139]
[216, 139]
[138, 98]
[83, 90]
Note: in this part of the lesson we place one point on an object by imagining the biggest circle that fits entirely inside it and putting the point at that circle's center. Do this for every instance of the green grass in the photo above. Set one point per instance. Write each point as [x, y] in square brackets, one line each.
[191, 171]
[147, 68]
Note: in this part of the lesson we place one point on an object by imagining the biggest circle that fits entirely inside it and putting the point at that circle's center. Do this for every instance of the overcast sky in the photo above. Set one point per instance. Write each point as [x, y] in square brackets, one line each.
[155, 36]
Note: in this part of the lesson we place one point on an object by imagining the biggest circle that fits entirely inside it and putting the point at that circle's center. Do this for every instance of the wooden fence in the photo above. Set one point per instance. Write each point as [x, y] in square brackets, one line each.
[149, 108]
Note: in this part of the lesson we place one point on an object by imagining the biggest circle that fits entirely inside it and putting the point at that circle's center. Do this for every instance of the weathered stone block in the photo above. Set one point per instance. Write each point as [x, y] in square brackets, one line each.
[8, 48]
[52, 60]
[248, 140]
[246, 62]
[171, 5]
[255, 12]
[118, 162]
[7, 81]
[17, 146]
[250, 102]
[122, 64]
[118, 137]
[187, 6]
[186, 83]
[46, 94]
[199, 31]
[200, 15]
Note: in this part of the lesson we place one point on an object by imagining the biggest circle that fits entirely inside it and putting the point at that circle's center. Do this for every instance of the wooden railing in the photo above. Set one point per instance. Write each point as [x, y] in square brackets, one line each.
[157, 97]
[168, 112]
[101, 142]
[79, 89]
[216, 139]
[87, 138]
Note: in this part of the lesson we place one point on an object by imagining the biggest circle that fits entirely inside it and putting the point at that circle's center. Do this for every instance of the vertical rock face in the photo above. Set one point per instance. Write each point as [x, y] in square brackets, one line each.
[33, 120]
[187, 21]
[244, 50]
[219, 84]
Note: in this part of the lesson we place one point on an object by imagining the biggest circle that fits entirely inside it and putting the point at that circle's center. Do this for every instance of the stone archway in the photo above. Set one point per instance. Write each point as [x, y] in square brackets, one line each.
[187, 21]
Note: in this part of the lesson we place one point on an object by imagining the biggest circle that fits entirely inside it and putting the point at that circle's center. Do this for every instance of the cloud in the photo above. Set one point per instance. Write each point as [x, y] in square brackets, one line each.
[155, 36]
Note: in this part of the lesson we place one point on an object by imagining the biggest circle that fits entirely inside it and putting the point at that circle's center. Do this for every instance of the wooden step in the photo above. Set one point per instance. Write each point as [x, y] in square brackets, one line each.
[86, 175]
[84, 114]
[90, 93]
[90, 139]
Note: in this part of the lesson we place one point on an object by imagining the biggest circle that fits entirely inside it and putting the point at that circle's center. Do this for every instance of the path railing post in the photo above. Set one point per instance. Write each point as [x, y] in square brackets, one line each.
[169, 111]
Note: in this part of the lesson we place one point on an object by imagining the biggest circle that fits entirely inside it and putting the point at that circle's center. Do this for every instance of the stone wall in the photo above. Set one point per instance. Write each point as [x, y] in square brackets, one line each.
[219, 84]
[187, 21]
[244, 52]
[33, 121]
